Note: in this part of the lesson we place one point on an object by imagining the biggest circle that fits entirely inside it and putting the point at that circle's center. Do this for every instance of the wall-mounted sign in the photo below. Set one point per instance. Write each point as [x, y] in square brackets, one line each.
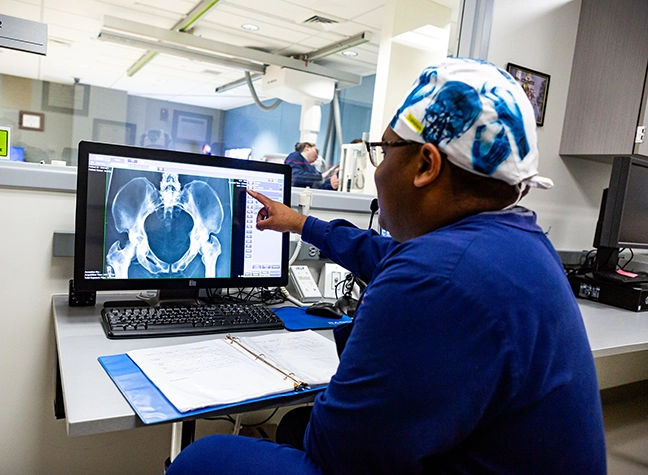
[5, 143]
[23, 35]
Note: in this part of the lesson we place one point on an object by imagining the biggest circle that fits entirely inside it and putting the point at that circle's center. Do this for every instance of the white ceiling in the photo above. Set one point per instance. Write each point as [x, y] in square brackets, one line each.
[75, 52]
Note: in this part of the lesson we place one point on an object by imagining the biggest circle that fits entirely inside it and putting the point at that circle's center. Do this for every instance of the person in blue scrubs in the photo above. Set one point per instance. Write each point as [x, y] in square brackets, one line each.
[467, 352]
[304, 172]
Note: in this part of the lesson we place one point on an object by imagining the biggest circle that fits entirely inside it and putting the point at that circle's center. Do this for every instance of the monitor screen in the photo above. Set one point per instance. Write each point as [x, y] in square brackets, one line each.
[622, 220]
[159, 219]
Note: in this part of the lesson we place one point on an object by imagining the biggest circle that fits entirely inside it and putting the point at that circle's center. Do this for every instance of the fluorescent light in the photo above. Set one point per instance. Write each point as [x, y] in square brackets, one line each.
[183, 25]
[250, 27]
[426, 37]
[234, 84]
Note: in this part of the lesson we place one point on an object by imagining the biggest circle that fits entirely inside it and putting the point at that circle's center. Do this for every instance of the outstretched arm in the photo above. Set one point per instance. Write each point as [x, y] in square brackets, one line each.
[277, 216]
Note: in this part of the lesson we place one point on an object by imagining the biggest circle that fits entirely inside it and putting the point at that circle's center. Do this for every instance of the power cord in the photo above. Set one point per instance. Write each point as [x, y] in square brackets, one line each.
[305, 201]
[304, 206]
[290, 298]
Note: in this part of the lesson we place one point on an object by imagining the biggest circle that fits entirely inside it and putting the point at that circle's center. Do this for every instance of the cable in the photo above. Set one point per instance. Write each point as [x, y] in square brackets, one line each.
[257, 424]
[290, 298]
[246, 295]
[257, 101]
[293, 258]
[629, 260]
[233, 421]
[304, 205]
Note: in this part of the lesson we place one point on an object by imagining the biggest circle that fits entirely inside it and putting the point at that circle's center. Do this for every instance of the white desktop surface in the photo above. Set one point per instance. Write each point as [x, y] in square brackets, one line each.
[93, 404]
[614, 331]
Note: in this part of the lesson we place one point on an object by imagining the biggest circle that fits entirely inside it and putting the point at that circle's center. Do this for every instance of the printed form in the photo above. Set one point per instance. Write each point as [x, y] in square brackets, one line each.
[216, 372]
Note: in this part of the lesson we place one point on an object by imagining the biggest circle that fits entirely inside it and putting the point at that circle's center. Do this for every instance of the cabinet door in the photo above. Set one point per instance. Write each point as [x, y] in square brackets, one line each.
[607, 78]
[642, 148]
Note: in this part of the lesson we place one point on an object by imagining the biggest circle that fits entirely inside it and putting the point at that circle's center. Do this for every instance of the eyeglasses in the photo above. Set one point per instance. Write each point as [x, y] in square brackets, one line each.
[377, 150]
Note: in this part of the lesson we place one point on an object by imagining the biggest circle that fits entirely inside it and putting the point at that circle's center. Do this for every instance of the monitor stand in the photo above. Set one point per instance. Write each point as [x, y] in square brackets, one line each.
[607, 259]
[162, 298]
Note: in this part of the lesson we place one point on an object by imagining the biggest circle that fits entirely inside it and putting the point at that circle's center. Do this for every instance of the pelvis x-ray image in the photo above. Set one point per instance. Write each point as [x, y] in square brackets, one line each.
[165, 225]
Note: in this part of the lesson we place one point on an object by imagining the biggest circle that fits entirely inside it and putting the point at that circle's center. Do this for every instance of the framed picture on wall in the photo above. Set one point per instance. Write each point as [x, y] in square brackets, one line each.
[31, 120]
[66, 98]
[112, 131]
[536, 87]
[189, 127]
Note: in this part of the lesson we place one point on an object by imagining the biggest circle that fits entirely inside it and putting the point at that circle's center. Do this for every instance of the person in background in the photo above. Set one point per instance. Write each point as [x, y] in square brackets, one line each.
[156, 138]
[467, 352]
[305, 174]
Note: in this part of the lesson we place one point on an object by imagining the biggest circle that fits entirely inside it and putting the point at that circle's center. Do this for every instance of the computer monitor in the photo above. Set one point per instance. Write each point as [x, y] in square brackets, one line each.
[174, 221]
[622, 217]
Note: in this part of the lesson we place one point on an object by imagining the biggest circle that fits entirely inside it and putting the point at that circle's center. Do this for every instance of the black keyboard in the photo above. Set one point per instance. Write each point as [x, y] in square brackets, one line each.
[146, 322]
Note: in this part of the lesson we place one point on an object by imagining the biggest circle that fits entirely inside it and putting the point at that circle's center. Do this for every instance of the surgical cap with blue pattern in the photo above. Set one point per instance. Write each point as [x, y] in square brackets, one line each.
[478, 115]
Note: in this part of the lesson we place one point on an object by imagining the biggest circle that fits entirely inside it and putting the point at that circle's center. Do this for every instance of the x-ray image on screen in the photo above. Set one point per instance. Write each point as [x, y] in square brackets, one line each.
[167, 225]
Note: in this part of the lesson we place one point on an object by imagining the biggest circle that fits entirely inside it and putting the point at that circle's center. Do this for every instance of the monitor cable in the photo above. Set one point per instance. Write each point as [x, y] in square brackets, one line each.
[347, 303]
[305, 202]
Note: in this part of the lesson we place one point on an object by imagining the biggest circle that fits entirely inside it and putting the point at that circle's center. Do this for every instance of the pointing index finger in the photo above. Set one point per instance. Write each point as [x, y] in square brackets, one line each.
[263, 199]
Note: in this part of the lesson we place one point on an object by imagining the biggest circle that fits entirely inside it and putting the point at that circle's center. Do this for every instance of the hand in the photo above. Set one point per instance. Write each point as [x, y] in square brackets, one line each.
[277, 216]
[329, 171]
[335, 182]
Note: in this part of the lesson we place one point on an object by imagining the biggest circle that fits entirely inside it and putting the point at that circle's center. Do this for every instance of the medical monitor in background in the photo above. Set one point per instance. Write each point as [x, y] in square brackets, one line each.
[353, 161]
[623, 222]
[174, 221]
[240, 153]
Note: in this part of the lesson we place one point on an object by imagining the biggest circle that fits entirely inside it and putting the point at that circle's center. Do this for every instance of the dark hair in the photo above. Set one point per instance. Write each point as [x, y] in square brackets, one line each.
[470, 185]
[300, 146]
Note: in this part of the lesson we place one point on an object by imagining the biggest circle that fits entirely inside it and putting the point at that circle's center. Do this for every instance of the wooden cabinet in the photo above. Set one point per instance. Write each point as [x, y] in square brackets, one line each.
[608, 90]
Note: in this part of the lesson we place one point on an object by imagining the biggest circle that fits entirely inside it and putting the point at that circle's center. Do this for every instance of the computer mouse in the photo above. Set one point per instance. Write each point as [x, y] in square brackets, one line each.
[325, 309]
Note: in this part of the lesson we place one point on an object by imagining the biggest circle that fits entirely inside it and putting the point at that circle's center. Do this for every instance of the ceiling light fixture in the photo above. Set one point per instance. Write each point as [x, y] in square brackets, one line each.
[234, 84]
[250, 27]
[175, 50]
[183, 25]
[138, 35]
[349, 53]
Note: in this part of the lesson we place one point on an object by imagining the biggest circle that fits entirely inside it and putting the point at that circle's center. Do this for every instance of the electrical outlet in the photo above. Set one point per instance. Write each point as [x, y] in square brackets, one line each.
[308, 252]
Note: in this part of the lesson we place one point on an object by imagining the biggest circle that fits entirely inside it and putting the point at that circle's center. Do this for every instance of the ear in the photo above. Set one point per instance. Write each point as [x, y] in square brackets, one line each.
[429, 165]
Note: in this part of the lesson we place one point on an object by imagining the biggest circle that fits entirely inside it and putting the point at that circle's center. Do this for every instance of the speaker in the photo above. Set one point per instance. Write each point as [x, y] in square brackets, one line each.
[81, 299]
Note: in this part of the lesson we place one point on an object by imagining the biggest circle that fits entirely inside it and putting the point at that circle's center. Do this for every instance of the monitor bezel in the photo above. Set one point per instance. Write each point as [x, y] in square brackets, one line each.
[614, 203]
[87, 148]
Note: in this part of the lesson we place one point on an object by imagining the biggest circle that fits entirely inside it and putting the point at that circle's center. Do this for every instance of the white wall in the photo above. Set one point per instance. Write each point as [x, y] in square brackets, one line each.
[542, 36]
[31, 440]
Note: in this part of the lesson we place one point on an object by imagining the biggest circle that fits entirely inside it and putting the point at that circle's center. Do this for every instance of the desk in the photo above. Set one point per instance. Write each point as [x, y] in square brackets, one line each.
[92, 402]
[614, 331]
